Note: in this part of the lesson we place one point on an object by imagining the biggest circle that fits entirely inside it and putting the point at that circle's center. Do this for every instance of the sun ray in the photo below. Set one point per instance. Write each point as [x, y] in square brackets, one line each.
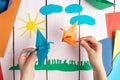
[41, 22]
[22, 27]
[36, 18]
[40, 27]
[30, 33]
[35, 31]
[31, 25]
[23, 20]
[24, 32]
[29, 17]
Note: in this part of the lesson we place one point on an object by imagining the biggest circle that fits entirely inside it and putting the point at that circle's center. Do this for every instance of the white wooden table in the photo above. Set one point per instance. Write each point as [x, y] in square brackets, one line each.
[59, 50]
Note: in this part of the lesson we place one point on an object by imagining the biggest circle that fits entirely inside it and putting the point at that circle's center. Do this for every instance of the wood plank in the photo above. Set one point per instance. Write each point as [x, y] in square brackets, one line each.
[61, 50]
[7, 61]
[32, 7]
[98, 31]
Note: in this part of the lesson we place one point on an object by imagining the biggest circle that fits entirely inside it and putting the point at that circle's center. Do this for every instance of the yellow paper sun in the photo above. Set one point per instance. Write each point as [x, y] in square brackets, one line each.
[31, 25]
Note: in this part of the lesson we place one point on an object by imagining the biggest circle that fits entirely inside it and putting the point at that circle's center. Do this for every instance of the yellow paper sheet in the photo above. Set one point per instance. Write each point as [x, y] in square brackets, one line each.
[116, 44]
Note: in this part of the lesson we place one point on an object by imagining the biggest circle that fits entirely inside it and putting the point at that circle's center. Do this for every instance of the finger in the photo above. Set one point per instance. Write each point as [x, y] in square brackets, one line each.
[28, 49]
[23, 57]
[31, 59]
[86, 46]
[92, 41]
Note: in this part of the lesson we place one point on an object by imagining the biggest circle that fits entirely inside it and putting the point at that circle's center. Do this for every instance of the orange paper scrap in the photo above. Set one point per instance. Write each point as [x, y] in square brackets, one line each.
[69, 36]
[113, 23]
[7, 19]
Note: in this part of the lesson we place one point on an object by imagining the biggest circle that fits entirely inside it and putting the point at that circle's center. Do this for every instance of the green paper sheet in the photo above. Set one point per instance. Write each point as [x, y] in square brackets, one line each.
[100, 4]
[61, 65]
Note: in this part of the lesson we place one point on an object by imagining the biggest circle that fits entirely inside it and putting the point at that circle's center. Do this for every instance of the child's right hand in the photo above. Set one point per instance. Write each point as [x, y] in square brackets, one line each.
[94, 50]
[26, 63]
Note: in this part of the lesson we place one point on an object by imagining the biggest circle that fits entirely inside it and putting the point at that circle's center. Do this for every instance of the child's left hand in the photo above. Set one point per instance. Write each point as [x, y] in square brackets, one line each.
[26, 63]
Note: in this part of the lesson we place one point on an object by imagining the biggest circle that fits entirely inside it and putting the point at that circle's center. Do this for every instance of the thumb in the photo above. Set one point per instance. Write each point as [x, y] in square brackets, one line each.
[86, 46]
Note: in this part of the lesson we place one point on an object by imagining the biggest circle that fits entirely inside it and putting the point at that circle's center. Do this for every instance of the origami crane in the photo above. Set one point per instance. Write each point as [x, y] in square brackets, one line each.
[42, 48]
[100, 4]
[69, 36]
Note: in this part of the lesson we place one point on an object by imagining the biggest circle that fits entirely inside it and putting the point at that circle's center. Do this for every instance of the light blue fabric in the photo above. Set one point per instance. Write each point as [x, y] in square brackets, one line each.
[73, 8]
[83, 19]
[51, 8]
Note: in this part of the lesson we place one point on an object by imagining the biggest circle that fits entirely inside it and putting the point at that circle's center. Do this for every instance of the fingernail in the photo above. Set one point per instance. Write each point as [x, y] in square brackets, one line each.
[81, 41]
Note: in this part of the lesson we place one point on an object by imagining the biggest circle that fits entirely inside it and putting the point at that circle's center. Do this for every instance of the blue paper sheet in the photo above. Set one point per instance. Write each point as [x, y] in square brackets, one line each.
[115, 74]
[107, 49]
[4, 5]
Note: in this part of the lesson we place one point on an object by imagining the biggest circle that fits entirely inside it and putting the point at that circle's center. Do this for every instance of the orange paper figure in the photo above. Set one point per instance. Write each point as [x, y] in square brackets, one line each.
[113, 23]
[69, 36]
[7, 19]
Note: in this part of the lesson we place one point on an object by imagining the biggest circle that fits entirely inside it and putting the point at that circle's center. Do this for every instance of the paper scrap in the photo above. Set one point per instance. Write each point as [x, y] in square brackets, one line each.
[112, 23]
[100, 4]
[116, 44]
[6, 25]
[107, 50]
[115, 73]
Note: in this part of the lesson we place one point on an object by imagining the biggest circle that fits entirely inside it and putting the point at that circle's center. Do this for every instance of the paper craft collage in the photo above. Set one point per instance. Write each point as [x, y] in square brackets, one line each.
[52, 27]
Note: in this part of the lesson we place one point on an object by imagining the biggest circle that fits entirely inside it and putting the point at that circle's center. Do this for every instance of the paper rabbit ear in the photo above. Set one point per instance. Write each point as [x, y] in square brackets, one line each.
[100, 4]
[40, 39]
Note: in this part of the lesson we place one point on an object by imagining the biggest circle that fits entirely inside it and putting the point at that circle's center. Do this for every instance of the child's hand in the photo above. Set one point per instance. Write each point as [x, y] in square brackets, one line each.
[94, 50]
[26, 63]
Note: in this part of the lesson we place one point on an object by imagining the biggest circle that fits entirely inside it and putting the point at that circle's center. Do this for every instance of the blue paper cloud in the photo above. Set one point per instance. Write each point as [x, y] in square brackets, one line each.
[51, 8]
[107, 46]
[115, 74]
[73, 8]
[83, 19]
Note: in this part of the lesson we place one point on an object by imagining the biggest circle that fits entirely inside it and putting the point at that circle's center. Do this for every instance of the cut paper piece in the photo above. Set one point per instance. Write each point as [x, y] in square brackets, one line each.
[31, 25]
[42, 48]
[83, 19]
[61, 65]
[3, 5]
[100, 4]
[69, 36]
[1, 75]
[51, 8]
[73, 8]
[107, 50]
[7, 19]
[115, 73]
[113, 23]
[10, 2]
[116, 44]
